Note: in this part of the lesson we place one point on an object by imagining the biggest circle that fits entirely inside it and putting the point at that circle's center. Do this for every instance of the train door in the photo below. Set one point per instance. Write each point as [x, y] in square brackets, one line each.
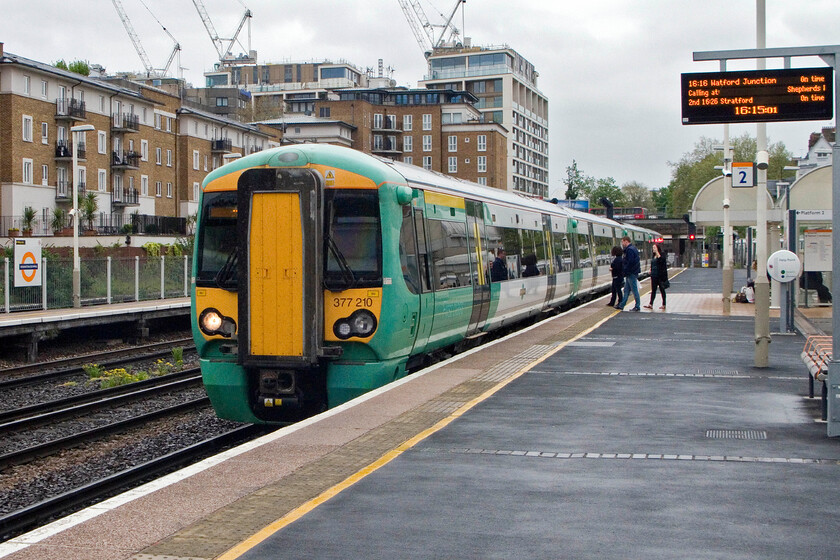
[416, 271]
[548, 259]
[477, 239]
[279, 321]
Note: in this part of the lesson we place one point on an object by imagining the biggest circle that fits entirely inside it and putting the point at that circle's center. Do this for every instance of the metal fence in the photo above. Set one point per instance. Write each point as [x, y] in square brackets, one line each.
[103, 281]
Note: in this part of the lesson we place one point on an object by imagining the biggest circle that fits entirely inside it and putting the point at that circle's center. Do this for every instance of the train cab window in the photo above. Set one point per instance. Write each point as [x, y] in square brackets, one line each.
[352, 239]
[217, 241]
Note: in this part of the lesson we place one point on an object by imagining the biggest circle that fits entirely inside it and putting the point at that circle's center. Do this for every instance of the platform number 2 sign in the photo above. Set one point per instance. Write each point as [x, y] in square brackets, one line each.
[743, 175]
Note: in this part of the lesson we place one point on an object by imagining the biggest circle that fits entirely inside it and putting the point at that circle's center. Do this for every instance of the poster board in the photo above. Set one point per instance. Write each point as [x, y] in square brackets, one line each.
[817, 250]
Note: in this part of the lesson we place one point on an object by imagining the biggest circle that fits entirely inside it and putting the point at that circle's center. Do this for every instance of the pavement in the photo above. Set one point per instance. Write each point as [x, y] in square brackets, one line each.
[597, 434]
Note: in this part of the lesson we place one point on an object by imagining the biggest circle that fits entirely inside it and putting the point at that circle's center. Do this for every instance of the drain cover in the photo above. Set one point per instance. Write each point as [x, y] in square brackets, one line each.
[736, 434]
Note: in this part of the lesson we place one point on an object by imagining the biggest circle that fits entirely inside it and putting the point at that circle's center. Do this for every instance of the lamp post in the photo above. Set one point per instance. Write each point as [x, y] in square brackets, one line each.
[77, 277]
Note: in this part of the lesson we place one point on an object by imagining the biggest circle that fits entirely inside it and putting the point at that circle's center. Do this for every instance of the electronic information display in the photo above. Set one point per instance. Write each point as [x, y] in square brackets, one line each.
[802, 94]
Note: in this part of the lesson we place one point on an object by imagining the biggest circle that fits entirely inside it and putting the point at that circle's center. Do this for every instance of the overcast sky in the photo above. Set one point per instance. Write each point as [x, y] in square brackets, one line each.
[610, 68]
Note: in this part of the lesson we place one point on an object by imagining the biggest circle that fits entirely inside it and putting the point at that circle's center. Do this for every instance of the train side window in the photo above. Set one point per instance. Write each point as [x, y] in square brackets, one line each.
[450, 253]
[584, 254]
[563, 251]
[423, 251]
[603, 247]
[408, 252]
[530, 240]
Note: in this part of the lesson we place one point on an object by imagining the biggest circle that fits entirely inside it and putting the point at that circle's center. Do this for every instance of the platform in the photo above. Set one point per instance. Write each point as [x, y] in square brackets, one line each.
[595, 434]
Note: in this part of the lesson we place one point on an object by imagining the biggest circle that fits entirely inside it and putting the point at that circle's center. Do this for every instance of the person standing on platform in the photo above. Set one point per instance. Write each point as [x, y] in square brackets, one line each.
[658, 276]
[632, 269]
[616, 268]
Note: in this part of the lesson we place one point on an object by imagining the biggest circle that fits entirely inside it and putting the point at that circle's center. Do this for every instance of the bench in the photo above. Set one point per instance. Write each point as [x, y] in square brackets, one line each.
[816, 355]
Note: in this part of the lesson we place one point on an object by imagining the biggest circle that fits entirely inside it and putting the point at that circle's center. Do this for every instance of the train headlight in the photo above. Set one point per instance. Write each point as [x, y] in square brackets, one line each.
[362, 323]
[213, 323]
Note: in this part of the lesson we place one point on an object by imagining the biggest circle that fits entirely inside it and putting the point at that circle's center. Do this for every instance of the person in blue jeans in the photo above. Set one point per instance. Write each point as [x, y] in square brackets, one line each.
[632, 269]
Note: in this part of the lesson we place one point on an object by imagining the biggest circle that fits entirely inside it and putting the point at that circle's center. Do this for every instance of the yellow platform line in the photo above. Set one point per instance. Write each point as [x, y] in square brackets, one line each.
[305, 508]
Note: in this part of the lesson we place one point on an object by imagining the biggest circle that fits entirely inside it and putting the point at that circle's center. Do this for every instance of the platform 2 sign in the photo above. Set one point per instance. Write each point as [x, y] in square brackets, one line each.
[802, 94]
[27, 262]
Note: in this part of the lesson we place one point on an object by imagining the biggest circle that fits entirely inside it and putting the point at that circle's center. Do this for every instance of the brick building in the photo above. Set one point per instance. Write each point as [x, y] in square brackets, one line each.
[144, 157]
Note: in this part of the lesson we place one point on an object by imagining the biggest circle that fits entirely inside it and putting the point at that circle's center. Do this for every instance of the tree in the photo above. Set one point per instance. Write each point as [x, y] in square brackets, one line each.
[573, 181]
[606, 188]
[78, 66]
[663, 201]
[637, 194]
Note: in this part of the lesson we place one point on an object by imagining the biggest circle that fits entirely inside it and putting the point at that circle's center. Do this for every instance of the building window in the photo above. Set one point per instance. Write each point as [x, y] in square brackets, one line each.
[409, 160]
[27, 128]
[453, 164]
[101, 180]
[427, 121]
[391, 122]
[101, 103]
[221, 102]
[196, 160]
[144, 150]
[158, 155]
[482, 181]
[45, 175]
[168, 190]
[168, 124]
[408, 143]
[377, 120]
[144, 185]
[205, 163]
[44, 88]
[196, 189]
[453, 143]
[158, 188]
[427, 162]
[102, 142]
[377, 142]
[157, 122]
[407, 122]
[27, 171]
[45, 133]
[482, 164]
[482, 143]
[324, 112]
[26, 85]
[427, 143]
[169, 158]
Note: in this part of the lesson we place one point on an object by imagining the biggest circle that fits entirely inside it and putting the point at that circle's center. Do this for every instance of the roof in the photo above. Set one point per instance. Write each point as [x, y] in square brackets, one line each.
[183, 110]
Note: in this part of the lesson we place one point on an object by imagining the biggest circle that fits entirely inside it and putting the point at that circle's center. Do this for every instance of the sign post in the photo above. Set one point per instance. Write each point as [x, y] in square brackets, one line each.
[27, 262]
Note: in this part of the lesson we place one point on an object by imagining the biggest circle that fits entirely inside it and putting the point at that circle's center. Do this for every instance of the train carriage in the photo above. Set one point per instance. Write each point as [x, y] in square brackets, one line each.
[321, 273]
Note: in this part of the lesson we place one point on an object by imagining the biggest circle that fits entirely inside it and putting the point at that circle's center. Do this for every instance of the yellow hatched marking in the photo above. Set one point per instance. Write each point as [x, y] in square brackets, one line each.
[276, 275]
[302, 510]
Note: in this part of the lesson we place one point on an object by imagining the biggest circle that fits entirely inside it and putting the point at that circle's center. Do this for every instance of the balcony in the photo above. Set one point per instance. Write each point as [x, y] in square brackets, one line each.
[254, 149]
[125, 122]
[64, 151]
[70, 109]
[122, 197]
[386, 146]
[64, 190]
[125, 160]
[223, 146]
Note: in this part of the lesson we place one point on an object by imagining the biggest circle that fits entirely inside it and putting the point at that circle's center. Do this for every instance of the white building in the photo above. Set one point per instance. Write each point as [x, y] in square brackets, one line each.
[820, 145]
[506, 86]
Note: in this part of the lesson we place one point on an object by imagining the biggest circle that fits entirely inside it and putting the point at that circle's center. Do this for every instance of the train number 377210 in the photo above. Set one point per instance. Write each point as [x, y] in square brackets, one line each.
[358, 302]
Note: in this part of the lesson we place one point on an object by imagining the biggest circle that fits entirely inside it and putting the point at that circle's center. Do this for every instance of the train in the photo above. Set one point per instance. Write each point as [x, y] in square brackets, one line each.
[321, 273]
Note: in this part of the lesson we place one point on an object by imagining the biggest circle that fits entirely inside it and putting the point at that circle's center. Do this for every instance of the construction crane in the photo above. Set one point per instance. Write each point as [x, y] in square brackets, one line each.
[151, 71]
[424, 31]
[224, 45]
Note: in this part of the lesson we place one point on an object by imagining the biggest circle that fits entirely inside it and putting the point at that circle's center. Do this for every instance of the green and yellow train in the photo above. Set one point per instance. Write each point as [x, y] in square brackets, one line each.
[321, 273]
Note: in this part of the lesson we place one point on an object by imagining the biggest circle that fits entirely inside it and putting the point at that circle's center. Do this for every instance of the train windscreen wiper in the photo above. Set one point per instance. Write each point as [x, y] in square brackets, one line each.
[226, 277]
[346, 272]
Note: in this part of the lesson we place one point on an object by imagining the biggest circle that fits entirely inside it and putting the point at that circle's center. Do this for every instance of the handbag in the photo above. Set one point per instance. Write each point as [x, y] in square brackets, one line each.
[666, 284]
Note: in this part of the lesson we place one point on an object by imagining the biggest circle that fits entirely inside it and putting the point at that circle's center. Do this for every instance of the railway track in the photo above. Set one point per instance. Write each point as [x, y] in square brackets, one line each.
[40, 513]
[45, 371]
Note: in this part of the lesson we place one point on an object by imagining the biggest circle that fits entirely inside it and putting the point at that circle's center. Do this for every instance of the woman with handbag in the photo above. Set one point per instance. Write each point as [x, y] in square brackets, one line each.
[658, 275]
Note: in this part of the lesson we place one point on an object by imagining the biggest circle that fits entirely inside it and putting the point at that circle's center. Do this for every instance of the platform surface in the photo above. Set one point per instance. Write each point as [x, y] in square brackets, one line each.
[596, 434]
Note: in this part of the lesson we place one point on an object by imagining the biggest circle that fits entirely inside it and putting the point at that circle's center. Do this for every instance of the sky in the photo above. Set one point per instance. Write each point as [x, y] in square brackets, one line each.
[609, 68]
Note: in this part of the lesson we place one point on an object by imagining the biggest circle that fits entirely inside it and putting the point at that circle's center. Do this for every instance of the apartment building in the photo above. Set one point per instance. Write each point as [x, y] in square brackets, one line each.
[139, 159]
[505, 84]
[438, 130]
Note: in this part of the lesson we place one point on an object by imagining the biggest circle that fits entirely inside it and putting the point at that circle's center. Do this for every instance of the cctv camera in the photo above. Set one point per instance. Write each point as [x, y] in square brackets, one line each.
[727, 173]
[762, 160]
[726, 203]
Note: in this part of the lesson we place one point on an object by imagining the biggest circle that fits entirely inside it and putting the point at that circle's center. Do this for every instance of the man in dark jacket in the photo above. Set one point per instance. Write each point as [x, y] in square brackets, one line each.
[632, 269]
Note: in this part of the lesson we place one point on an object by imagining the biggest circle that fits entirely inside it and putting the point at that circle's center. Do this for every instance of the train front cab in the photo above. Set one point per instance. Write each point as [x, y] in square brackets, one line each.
[289, 288]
